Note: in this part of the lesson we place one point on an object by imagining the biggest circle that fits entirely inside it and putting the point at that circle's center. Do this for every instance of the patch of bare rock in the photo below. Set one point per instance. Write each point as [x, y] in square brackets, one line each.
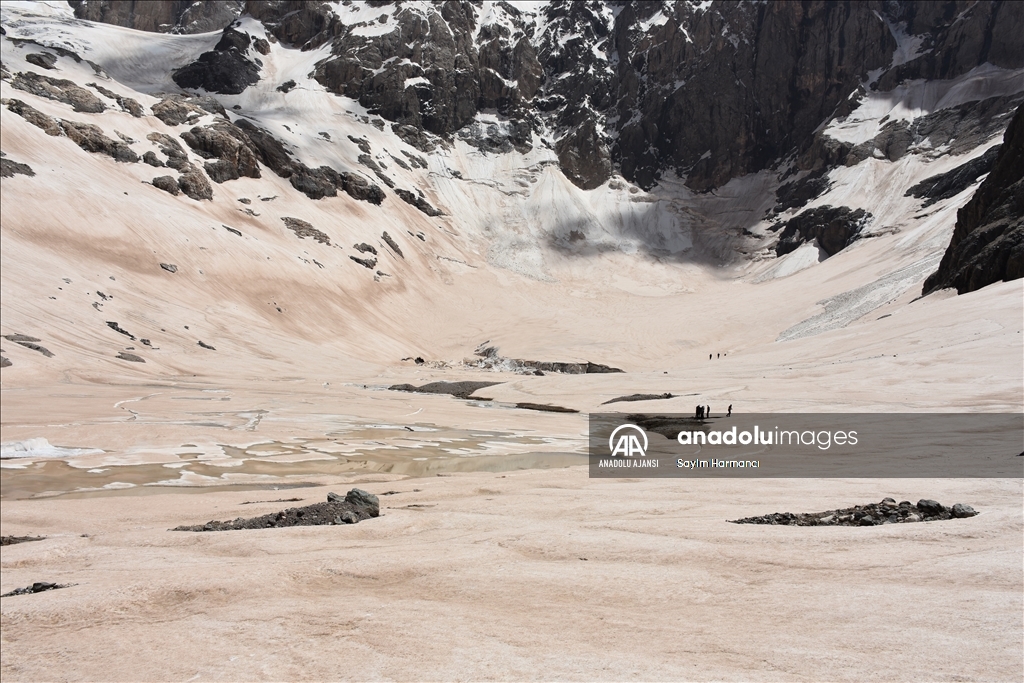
[545, 408]
[457, 389]
[60, 90]
[639, 397]
[304, 229]
[14, 540]
[85, 135]
[356, 506]
[9, 167]
[37, 587]
[873, 514]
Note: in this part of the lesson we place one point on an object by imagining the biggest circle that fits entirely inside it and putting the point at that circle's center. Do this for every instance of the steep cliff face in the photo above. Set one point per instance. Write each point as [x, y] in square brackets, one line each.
[708, 91]
[163, 16]
[988, 241]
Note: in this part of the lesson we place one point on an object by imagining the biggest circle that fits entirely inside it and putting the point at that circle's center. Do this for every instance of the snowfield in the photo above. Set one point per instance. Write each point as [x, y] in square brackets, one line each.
[264, 356]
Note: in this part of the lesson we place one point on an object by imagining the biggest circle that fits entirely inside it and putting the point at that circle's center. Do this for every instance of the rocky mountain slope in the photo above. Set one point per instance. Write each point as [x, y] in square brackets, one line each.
[708, 91]
[322, 169]
[988, 241]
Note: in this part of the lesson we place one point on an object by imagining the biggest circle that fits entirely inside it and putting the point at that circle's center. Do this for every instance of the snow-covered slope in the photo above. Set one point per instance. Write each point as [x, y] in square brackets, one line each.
[517, 244]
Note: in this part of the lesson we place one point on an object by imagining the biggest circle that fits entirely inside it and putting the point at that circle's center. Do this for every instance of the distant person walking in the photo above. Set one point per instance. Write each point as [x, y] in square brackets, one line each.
[698, 411]
[730, 411]
[719, 355]
[707, 411]
[710, 356]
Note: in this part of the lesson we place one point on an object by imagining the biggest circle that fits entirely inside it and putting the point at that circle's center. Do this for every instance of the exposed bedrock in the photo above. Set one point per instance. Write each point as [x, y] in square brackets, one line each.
[955, 181]
[834, 228]
[226, 69]
[166, 16]
[988, 240]
[232, 153]
[708, 91]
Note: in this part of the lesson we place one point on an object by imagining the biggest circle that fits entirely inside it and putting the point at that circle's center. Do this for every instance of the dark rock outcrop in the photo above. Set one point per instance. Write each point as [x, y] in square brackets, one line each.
[37, 587]
[175, 110]
[176, 156]
[194, 184]
[988, 240]
[232, 152]
[360, 188]
[112, 324]
[545, 408]
[639, 397]
[225, 69]
[797, 193]
[392, 243]
[315, 183]
[91, 139]
[270, 150]
[37, 118]
[9, 167]
[131, 357]
[42, 59]
[152, 159]
[462, 389]
[419, 202]
[85, 135]
[834, 227]
[586, 368]
[873, 514]
[127, 104]
[60, 90]
[14, 540]
[955, 130]
[304, 229]
[36, 347]
[356, 506]
[955, 181]
[370, 263]
[167, 184]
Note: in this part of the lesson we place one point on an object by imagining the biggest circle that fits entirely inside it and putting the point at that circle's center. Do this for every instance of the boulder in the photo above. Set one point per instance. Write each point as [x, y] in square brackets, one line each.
[359, 498]
[194, 184]
[167, 184]
[960, 511]
[42, 59]
[930, 507]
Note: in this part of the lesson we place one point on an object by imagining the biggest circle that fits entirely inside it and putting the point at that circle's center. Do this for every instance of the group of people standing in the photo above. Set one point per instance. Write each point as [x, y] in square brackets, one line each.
[703, 412]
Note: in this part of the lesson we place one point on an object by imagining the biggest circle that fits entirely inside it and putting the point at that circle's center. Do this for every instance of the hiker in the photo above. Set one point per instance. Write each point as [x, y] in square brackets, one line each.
[696, 413]
[719, 355]
[709, 356]
[707, 411]
[730, 411]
